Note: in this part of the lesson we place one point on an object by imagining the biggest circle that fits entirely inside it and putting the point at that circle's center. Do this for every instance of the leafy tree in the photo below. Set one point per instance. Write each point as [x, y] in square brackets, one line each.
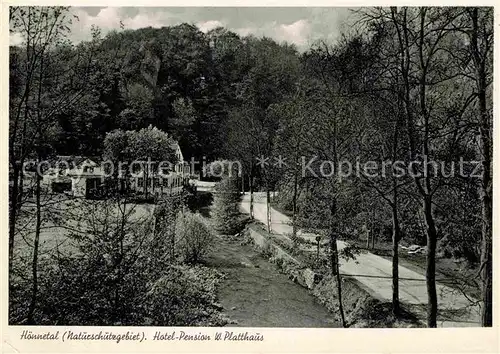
[151, 146]
[293, 144]
[225, 210]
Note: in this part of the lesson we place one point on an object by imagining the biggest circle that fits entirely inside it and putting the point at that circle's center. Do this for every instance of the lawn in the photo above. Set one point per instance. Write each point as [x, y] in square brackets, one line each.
[62, 216]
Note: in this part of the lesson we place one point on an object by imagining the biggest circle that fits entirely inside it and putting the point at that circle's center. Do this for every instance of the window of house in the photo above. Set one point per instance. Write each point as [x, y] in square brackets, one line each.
[140, 182]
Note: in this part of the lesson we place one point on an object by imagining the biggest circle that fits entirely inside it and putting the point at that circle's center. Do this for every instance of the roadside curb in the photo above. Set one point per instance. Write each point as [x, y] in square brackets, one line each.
[359, 304]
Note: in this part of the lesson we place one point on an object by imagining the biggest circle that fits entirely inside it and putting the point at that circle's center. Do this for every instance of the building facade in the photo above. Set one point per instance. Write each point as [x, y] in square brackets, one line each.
[159, 181]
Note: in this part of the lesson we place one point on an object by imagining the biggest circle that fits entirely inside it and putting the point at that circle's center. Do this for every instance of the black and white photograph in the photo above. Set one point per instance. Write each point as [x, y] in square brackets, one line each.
[256, 167]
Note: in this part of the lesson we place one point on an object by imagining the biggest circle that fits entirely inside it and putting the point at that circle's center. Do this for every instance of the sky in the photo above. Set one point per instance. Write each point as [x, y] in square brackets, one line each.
[300, 26]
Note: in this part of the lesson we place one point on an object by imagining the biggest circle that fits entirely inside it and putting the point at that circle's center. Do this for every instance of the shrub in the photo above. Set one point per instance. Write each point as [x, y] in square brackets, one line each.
[179, 295]
[184, 296]
[166, 212]
[121, 274]
[200, 201]
[194, 237]
[226, 215]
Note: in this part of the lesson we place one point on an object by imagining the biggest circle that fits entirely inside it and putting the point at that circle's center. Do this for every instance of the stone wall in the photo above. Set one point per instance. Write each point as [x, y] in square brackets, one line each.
[286, 262]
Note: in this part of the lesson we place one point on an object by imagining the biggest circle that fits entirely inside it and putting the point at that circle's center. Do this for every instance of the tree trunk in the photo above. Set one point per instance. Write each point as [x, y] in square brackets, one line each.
[334, 260]
[250, 180]
[395, 259]
[486, 264]
[486, 201]
[34, 266]
[20, 191]
[242, 184]
[146, 181]
[294, 206]
[13, 212]
[120, 258]
[251, 198]
[430, 275]
[426, 193]
[268, 208]
[153, 186]
[484, 154]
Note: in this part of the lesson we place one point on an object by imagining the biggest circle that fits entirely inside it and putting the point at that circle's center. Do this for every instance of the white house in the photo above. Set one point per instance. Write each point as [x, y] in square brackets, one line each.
[86, 177]
[85, 174]
[166, 181]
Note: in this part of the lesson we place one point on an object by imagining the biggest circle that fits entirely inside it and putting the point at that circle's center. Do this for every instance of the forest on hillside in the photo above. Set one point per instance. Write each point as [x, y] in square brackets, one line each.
[177, 79]
[405, 84]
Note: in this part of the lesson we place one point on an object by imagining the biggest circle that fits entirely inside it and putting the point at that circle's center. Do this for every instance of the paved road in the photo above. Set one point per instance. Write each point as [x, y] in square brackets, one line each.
[375, 272]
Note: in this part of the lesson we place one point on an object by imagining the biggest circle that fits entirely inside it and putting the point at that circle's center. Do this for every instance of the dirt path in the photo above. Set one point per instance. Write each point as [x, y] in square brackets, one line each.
[255, 294]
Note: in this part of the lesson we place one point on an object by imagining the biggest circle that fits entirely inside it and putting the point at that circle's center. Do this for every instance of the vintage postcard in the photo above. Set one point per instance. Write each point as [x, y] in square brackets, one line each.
[249, 177]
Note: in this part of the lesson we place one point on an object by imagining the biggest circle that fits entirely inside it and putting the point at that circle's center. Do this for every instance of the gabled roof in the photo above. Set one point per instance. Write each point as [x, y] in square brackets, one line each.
[74, 161]
[70, 160]
[175, 145]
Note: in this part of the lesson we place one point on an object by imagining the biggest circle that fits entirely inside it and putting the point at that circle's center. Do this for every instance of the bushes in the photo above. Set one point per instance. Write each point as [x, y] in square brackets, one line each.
[200, 202]
[226, 215]
[119, 271]
[194, 237]
[184, 296]
[179, 234]
[166, 213]
[176, 295]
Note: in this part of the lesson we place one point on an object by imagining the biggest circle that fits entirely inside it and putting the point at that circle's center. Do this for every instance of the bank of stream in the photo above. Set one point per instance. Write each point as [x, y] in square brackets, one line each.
[255, 294]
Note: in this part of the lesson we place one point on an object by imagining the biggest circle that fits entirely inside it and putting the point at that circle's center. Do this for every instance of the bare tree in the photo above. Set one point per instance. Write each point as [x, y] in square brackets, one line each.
[52, 82]
[424, 37]
[480, 48]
